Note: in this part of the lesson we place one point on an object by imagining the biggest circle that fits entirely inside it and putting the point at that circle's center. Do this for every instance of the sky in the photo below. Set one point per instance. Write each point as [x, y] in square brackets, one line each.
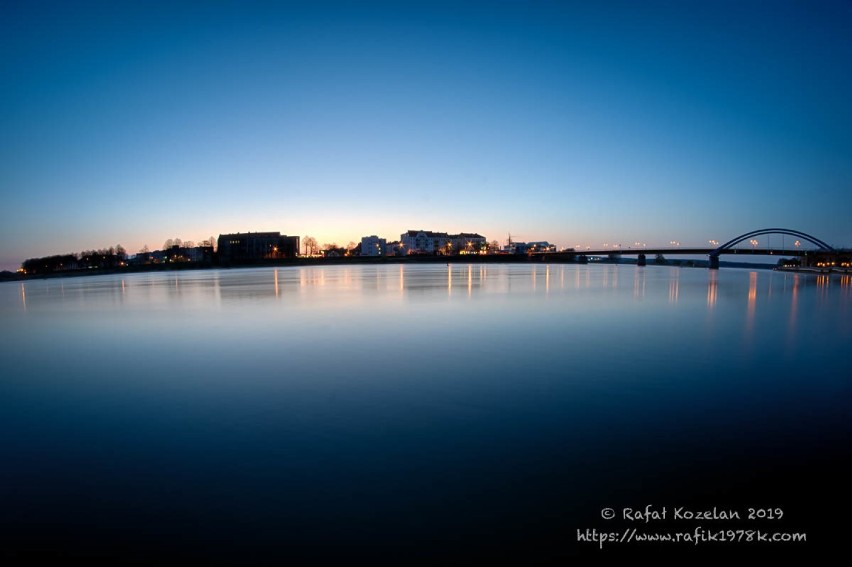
[573, 122]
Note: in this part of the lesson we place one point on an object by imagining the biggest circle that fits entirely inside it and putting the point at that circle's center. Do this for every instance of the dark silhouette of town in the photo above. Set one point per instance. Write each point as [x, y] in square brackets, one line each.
[273, 248]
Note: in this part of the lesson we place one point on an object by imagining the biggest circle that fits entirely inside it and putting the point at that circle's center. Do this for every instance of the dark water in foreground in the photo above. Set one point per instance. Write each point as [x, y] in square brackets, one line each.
[392, 415]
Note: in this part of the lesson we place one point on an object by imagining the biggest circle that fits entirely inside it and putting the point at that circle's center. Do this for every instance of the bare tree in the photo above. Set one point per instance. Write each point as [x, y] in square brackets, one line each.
[310, 245]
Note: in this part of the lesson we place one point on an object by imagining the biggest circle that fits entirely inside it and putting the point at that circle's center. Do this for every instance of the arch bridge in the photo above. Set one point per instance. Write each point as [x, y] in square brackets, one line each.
[728, 247]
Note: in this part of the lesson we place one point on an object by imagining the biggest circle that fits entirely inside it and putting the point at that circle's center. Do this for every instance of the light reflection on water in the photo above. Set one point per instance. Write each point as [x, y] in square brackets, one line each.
[495, 405]
[712, 285]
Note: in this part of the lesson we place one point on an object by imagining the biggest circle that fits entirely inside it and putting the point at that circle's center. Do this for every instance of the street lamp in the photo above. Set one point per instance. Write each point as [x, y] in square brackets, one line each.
[713, 242]
[753, 244]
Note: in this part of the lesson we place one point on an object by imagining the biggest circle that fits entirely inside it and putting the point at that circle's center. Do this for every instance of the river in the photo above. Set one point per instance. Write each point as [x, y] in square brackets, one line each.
[395, 414]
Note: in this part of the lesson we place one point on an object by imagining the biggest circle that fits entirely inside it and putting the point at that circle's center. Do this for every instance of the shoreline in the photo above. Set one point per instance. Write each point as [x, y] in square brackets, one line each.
[410, 260]
[284, 262]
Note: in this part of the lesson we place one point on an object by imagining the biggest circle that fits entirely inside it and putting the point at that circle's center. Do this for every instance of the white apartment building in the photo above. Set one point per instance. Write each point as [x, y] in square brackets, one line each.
[373, 246]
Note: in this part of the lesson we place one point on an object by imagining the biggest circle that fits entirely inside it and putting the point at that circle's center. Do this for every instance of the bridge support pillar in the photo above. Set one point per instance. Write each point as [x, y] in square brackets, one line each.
[642, 261]
[714, 261]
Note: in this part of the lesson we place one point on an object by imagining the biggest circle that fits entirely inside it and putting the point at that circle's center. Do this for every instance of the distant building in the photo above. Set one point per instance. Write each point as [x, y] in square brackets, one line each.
[429, 242]
[468, 243]
[542, 246]
[142, 258]
[422, 241]
[334, 252]
[253, 246]
[199, 253]
[515, 248]
[195, 254]
[174, 254]
[373, 246]
[394, 249]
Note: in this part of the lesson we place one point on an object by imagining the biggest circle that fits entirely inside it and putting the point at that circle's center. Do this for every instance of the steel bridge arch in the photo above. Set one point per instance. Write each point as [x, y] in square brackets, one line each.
[785, 231]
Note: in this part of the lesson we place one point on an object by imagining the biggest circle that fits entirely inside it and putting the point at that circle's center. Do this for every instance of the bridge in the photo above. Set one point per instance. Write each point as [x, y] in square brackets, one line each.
[713, 254]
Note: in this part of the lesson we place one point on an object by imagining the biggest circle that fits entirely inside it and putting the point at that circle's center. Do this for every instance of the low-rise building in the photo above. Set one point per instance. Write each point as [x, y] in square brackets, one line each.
[394, 249]
[515, 248]
[373, 246]
[253, 246]
[542, 246]
[423, 241]
[469, 243]
[429, 242]
[334, 252]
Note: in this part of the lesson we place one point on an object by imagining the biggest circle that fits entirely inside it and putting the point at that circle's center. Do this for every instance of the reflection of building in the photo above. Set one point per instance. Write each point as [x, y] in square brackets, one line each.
[373, 246]
[428, 242]
[257, 246]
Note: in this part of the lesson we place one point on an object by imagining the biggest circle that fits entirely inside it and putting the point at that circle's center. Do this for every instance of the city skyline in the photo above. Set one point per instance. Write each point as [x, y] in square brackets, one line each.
[575, 124]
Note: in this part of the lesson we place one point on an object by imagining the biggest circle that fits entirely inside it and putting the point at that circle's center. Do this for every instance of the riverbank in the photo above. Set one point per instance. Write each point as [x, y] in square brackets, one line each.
[558, 258]
[813, 270]
[282, 262]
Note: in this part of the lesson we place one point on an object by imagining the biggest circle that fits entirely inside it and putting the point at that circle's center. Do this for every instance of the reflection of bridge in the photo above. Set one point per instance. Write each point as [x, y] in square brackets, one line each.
[729, 247]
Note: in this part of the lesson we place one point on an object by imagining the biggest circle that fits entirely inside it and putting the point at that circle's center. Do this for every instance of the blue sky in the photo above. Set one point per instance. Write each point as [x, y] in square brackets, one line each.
[577, 123]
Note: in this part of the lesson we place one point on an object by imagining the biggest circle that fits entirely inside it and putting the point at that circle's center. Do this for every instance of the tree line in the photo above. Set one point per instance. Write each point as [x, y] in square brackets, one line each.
[111, 257]
[102, 258]
[312, 247]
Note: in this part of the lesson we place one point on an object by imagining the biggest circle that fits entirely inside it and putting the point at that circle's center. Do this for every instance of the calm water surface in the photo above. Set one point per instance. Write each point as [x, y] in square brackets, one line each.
[395, 414]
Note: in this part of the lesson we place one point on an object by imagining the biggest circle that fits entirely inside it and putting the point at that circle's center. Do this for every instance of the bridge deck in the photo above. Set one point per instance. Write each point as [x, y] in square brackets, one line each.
[681, 252]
